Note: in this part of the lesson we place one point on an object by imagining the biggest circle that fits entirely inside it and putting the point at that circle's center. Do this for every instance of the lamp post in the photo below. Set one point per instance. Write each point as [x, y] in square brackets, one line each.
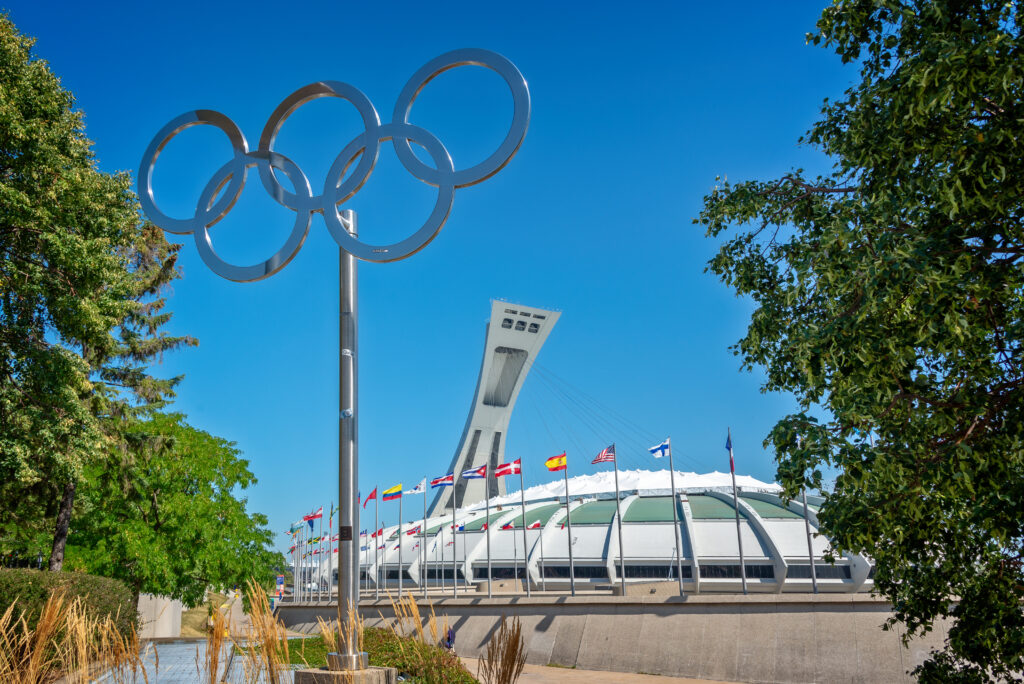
[342, 183]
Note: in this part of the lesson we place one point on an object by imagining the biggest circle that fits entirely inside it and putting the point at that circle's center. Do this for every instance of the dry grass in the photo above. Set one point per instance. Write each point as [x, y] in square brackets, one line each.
[505, 656]
[216, 637]
[266, 638]
[66, 642]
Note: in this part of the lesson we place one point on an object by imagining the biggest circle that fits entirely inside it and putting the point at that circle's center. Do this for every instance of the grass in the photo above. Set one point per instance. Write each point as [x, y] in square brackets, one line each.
[194, 620]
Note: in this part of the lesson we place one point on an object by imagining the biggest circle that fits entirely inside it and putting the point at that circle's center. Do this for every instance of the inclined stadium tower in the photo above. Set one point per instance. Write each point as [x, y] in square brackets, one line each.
[779, 539]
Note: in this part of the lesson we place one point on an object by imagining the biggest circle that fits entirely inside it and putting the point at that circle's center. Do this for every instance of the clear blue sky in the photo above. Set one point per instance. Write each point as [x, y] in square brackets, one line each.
[636, 108]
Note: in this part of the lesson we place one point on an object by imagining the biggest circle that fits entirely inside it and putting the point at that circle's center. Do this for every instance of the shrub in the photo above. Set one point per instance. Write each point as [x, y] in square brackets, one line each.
[100, 596]
[424, 662]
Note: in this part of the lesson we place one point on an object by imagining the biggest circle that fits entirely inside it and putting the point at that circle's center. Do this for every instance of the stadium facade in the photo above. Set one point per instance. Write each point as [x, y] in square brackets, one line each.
[774, 533]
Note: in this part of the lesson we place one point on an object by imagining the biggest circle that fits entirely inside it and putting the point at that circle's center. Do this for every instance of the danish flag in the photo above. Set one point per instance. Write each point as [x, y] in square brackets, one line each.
[513, 468]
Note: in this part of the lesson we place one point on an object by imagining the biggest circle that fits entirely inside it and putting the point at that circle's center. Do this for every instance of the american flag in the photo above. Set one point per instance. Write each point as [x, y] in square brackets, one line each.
[607, 455]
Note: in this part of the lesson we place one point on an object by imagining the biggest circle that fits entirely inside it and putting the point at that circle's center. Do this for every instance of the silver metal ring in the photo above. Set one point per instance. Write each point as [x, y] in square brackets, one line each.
[224, 188]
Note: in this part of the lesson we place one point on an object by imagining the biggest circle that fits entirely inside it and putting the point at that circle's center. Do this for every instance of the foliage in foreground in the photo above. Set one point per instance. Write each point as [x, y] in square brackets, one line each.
[66, 640]
[889, 294]
[28, 591]
[179, 493]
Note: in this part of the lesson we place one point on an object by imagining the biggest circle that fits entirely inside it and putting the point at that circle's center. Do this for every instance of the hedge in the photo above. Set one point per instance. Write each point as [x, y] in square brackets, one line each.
[101, 596]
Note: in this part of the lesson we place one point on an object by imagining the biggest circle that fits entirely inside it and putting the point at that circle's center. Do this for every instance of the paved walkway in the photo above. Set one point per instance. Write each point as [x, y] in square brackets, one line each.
[545, 674]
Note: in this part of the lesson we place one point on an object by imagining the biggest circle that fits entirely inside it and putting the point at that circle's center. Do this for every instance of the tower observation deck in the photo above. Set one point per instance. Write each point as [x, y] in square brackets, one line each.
[515, 335]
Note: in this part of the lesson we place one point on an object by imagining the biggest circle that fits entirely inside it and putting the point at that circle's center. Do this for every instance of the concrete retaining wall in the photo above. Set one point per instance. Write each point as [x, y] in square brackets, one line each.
[758, 638]
[159, 617]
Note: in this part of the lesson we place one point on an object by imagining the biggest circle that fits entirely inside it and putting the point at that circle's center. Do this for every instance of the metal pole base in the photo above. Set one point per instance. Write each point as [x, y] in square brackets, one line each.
[346, 662]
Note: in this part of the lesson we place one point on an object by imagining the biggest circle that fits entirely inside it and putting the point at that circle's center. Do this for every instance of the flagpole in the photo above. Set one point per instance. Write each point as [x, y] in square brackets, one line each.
[487, 525]
[401, 562]
[568, 522]
[675, 518]
[330, 553]
[810, 550]
[423, 531]
[376, 561]
[455, 532]
[543, 579]
[319, 565]
[618, 518]
[736, 506]
[522, 501]
[302, 548]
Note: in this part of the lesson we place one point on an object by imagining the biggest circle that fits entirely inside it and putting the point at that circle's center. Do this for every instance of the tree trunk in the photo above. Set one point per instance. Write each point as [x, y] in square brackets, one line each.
[60, 535]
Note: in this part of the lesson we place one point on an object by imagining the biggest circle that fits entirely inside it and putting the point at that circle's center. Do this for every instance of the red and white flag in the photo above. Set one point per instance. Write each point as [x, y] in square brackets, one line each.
[534, 525]
[316, 515]
[513, 468]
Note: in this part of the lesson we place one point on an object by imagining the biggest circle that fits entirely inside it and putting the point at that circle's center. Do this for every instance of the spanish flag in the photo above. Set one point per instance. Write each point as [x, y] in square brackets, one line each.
[556, 462]
[393, 493]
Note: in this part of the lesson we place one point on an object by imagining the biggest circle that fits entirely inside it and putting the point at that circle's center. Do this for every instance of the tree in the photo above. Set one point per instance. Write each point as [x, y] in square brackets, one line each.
[80, 283]
[889, 301]
[168, 521]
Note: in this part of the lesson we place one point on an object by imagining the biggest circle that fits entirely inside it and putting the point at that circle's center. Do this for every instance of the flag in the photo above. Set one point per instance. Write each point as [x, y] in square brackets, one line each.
[659, 450]
[381, 546]
[475, 473]
[449, 543]
[607, 455]
[484, 527]
[728, 445]
[291, 550]
[310, 523]
[413, 531]
[556, 462]
[393, 493]
[295, 527]
[508, 526]
[462, 528]
[534, 525]
[378, 533]
[330, 521]
[420, 488]
[446, 481]
[362, 533]
[373, 495]
[315, 515]
[513, 468]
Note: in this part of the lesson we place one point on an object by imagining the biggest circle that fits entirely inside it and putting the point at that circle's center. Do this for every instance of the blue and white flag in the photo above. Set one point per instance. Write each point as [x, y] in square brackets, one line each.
[659, 450]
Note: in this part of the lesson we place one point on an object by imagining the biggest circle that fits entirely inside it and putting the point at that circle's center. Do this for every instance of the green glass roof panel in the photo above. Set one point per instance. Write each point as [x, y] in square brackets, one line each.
[541, 513]
[479, 523]
[594, 513]
[651, 509]
[709, 508]
[766, 509]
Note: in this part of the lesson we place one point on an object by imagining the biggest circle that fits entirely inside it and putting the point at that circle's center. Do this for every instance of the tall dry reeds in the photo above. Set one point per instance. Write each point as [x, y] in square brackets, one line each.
[266, 647]
[66, 643]
[216, 637]
[505, 656]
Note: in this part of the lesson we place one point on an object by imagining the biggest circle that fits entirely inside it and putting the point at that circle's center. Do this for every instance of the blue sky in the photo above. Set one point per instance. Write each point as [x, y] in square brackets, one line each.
[637, 107]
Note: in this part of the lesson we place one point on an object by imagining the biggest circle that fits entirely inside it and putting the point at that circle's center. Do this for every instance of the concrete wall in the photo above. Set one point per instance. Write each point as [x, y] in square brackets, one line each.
[757, 638]
[159, 617]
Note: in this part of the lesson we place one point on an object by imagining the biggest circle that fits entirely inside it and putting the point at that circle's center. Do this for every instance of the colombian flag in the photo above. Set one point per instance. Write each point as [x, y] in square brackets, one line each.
[556, 462]
[393, 493]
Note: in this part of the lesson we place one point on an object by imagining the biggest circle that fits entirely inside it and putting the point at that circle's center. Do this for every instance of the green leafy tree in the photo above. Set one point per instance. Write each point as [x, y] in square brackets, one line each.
[80, 304]
[168, 520]
[888, 299]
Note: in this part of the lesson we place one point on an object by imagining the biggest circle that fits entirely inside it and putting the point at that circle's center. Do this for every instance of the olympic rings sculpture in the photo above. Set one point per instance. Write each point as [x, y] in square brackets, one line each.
[225, 187]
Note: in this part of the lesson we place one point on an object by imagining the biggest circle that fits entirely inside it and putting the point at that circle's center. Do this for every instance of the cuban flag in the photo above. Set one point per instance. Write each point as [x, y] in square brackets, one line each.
[663, 449]
[475, 473]
[446, 481]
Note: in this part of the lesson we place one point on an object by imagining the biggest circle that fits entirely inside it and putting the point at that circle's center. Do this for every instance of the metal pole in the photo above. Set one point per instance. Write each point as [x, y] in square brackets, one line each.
[455, 532]
[618, 518]
[320, 564]
[423, 544]
[401, 562]
[810, 549]
[568, 522]
[348, 448]
[487, 526]
[522, 501]
[379, 538]
[543, 579]
[736, 507]
[330, 553]
[675, 518]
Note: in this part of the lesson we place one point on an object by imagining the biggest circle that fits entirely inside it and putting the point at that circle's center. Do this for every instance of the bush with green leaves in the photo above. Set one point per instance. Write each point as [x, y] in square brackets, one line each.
[28, 591]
